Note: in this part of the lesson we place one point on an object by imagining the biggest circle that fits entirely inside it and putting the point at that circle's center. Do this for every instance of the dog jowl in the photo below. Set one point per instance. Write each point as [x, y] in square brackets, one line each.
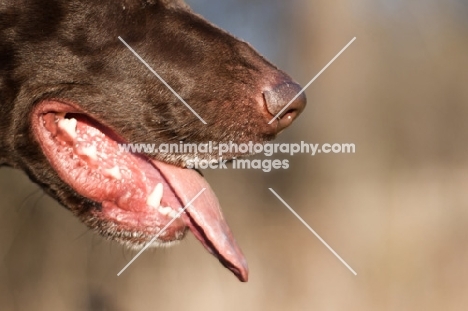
[70, 92]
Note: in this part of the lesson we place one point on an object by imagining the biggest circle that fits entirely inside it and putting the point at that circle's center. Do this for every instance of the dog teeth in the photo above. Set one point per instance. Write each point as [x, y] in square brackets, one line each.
[89, 151]
[68, 126]
[167, 211]
[113, 173]
[173, 214]
[164, 210]
[154, 199]
[59, 116]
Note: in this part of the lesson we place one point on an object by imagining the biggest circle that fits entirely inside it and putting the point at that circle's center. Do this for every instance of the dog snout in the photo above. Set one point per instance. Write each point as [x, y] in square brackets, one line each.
[283, 99]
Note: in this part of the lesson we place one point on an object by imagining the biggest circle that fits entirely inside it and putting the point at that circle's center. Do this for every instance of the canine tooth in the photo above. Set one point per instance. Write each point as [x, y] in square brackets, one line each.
[68, 126]
[113, 172]
[154, 199]
[164, 210]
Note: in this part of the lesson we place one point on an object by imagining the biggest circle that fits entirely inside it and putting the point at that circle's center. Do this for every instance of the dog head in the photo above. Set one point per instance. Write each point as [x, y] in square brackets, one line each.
[72, 91]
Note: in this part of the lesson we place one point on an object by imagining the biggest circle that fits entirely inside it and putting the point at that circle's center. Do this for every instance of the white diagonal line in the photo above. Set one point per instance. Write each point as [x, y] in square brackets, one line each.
[161, 231]
[313, 79]
[312, 230]
[161, 79]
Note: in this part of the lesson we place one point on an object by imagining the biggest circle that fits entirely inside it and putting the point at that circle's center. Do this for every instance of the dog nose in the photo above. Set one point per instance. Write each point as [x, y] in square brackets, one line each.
[279, 101]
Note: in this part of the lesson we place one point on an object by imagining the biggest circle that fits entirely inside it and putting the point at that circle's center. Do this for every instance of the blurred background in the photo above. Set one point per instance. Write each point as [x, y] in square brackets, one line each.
[396, 211]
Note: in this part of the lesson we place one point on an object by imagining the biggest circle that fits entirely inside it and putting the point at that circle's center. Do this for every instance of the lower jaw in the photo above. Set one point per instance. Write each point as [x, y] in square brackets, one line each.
[124, 211]
[135, 237]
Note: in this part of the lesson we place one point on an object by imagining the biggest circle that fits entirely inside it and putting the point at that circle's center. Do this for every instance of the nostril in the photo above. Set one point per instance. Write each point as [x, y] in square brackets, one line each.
[284, 103]
[289, 114]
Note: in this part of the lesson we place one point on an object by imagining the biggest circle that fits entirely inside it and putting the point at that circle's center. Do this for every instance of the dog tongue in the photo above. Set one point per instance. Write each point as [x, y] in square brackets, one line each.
[204, 217]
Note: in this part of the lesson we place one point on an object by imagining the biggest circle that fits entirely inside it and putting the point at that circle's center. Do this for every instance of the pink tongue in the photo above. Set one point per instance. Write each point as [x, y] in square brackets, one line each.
[204, 217]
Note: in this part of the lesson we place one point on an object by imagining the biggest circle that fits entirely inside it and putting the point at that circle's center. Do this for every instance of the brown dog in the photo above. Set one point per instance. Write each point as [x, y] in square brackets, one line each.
[70, 92]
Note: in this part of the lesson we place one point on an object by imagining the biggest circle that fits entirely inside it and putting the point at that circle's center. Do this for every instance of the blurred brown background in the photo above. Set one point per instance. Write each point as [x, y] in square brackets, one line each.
[396, 211]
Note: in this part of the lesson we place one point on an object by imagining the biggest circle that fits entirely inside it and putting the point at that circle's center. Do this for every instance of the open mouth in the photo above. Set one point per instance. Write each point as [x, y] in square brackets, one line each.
[137, 196]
